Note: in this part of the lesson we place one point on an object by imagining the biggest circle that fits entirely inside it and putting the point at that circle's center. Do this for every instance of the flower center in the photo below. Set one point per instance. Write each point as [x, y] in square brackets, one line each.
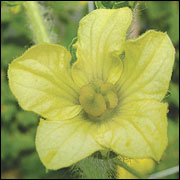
[97, 97]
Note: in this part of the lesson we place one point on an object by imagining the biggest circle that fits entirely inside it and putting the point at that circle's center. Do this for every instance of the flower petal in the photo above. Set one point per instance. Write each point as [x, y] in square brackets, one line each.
[101, 35]
[40, 79]
[63, 143]
[143, 166]
[147, 68]
[139, 131]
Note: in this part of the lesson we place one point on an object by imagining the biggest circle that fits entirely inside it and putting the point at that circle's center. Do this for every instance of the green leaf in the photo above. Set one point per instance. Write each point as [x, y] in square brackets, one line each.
[114, 4]
[108, 4]
[120, 4]
[99, 5]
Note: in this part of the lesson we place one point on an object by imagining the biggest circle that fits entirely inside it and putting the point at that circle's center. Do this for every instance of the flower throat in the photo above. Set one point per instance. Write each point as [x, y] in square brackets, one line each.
[97, 97]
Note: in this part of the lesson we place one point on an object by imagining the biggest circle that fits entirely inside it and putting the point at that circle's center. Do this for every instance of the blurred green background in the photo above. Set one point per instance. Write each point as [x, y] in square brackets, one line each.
[19, 158]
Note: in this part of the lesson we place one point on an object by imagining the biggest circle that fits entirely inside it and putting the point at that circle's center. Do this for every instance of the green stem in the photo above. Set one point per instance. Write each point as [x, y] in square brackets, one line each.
[37, 24]
[128, 168]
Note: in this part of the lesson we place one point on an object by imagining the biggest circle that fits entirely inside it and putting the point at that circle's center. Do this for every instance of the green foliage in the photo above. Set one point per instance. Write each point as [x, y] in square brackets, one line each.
[120, 4]
[94, 168]
[11, 3]
[18, 127]
[99, 5]
[114, 4]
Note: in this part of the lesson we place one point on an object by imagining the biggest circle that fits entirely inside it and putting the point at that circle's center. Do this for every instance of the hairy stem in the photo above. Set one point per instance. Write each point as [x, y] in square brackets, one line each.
[134, 29]
[36, 21]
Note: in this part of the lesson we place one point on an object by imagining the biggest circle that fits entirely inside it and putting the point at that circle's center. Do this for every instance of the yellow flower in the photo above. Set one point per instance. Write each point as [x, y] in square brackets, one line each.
[109, 99]
[143, 166]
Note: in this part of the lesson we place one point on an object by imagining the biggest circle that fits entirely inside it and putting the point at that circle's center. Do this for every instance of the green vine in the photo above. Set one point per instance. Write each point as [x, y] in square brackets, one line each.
[37, 23]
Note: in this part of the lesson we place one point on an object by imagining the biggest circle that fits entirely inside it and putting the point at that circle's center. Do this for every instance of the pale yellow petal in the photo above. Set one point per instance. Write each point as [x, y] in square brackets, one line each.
[137, 130]
[147, 68]
[143, 166]
[63, 143]
[101, 38]
[40, 79]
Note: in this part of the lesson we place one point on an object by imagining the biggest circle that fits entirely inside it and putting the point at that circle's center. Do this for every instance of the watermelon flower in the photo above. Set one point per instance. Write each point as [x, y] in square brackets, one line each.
[109, 99]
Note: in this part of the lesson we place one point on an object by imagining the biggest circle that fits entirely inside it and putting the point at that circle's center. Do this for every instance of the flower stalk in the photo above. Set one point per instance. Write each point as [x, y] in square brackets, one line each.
[37, 23]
